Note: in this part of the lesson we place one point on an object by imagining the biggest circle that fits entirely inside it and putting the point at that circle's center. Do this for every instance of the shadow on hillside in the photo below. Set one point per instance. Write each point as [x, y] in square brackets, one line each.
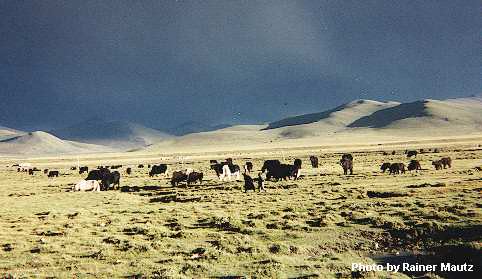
[387, 116]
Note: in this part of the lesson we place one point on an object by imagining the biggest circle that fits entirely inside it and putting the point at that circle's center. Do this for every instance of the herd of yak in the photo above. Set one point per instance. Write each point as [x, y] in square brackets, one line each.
[108, 177]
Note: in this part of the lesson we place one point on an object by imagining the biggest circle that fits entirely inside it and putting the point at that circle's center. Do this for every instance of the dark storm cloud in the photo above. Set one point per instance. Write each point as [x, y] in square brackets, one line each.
[166, 62]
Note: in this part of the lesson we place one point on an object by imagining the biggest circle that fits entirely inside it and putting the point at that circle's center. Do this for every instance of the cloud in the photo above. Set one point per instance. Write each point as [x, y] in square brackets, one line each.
[167, 62]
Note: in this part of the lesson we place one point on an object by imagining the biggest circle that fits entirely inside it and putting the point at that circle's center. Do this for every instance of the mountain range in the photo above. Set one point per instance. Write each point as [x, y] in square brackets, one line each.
[359, 120]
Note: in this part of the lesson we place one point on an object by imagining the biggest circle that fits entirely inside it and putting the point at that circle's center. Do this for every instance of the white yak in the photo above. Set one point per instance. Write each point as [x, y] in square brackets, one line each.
[87, 185]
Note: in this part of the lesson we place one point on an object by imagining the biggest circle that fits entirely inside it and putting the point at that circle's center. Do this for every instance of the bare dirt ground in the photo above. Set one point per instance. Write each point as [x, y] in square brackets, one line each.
[316, 226]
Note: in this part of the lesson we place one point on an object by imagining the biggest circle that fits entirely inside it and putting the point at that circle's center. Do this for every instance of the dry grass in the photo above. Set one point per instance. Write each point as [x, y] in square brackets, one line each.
[314, 227]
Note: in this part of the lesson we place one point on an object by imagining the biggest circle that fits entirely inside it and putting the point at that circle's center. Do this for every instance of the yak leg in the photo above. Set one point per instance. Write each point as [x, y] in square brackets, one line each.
[261, 186]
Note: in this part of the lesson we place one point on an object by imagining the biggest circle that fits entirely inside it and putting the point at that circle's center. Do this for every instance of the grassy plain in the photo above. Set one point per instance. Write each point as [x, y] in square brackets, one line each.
[314, 227]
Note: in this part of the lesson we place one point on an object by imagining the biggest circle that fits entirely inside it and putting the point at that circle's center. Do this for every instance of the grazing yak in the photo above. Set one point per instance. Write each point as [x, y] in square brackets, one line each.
[24, 166]
[46, 171]
[226, 170]
[188, 175]
[346, 163]
[269, 167]
[437, 164]
[87, 185]
[286, 171]
[106, 177]
[297, 163]
[274, 169]
[140, 166]
[446, 162]
[414, 165]
[248, 183]
[442, 163]
[30, 171]
[73, 168]
[229, 171]
[314, 161]
[83, 169]
[385, 166]
[98, 174]
[193, 177]
[270, 164]
[397, 168]
[112, 179]
[53, 174]
[129, 171]
[411, 153]
[347, 166]
[158, 169]
[248, 167]
[347, 156]
[177, 177]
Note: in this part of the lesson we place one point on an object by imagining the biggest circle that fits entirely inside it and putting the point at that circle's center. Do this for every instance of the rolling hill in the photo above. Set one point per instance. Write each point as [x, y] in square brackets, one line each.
[6, 132]
[360, 121]
[447, 114]
[42, 143]
[357, 122]
[327, 122]
[339, 116]
[118, 134]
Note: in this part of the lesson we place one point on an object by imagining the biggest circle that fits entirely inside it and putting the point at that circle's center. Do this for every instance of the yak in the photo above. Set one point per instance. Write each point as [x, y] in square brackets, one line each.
[314, 161]
[158, 169]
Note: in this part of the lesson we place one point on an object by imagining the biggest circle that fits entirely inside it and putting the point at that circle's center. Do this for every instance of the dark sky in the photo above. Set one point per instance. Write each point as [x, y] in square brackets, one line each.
[161, 63]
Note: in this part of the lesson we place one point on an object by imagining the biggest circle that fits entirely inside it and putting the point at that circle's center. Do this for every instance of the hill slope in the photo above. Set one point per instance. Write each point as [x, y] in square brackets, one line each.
[112, 133]
[339, 116]
[447, 114]
[6, 132]
[190, 127]
[327, 122]
[42, 143]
